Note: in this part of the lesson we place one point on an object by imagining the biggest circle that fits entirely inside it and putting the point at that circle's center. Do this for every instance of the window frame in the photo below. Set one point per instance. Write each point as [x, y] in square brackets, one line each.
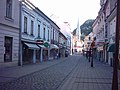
[44, 33]
[9, 9]
[32, 28]
[38, 30]
[48, 34]
[25, 24]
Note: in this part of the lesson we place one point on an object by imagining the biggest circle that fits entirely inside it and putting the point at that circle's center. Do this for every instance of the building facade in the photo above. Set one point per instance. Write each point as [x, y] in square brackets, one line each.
[62, 44]
[111, 27]
[9, 31]
[108, 16]
[39, 34]
[65, 29]
[77, 44]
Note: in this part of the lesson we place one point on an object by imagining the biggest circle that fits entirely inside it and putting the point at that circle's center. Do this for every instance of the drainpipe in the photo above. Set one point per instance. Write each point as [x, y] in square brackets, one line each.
[20, 29]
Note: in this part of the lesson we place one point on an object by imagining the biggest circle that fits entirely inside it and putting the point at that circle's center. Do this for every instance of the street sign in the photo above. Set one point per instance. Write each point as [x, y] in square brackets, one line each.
[46, 44]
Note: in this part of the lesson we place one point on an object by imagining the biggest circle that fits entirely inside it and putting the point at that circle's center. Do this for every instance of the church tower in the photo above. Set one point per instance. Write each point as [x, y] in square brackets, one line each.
[78, 32]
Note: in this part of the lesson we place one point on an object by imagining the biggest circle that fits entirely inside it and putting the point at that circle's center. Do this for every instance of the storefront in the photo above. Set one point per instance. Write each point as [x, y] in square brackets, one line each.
[62, 49]
[100, 53]
[111, 50]
[29, 52]
[40, 52]
[54, 51]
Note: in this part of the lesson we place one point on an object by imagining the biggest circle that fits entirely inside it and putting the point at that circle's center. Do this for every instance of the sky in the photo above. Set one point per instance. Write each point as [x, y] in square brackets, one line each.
[70, 10]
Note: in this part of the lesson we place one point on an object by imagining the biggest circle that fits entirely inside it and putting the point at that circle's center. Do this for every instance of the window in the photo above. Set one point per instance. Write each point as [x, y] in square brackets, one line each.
[32, 27]
[39, 31]
[25, 24]
[9, 8]
[53, 34]
[48, 35]
[44, 34]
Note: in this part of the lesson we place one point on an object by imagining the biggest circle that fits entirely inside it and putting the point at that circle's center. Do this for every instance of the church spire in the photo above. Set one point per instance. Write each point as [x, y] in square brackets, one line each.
[78, 30]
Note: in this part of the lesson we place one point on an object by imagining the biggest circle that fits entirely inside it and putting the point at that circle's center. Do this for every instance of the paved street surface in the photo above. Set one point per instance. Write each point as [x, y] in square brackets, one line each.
[71, 73]
[85, 77]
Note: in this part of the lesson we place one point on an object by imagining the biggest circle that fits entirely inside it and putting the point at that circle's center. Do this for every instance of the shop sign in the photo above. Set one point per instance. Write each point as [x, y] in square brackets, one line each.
[39, 41]
[46, 44]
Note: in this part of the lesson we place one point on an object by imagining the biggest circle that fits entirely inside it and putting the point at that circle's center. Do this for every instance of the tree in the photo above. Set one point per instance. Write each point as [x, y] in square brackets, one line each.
[86, 28]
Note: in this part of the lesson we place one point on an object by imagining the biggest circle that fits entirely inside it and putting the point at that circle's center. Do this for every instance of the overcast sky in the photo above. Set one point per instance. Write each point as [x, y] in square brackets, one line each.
[69, 10]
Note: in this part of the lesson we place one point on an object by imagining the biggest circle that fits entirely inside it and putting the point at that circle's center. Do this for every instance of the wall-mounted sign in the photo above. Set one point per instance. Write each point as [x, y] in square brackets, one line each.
[39, 41]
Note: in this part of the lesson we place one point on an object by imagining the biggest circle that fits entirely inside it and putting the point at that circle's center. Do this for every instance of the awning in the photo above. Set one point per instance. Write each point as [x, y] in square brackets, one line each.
[32, 46]
[42, 46]
[111, 47]
[53, 46]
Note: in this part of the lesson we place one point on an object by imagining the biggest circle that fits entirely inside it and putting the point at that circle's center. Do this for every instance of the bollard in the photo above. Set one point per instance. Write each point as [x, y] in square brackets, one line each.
[92, 61]
[89, 54]
[92, 58]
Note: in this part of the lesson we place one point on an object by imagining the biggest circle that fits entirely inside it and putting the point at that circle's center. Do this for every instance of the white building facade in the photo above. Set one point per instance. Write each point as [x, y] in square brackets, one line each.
[108, 8]
[38, 34]
[65, 29]
[9, 31]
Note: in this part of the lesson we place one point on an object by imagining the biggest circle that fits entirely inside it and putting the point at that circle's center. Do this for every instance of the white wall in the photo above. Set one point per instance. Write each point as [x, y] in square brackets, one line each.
[32, 15]
[9, 27]
[112, 29]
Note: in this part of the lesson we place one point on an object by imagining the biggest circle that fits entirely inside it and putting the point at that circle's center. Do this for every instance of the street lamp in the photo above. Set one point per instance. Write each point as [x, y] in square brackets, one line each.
[89, 51]
[92, 50]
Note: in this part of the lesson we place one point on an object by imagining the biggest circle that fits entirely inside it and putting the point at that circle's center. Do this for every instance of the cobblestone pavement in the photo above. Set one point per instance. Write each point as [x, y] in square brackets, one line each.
[85, 77]
[46, 79]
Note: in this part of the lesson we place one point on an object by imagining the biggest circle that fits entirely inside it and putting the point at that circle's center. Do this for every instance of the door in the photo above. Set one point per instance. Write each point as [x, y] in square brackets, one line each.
[8, 49]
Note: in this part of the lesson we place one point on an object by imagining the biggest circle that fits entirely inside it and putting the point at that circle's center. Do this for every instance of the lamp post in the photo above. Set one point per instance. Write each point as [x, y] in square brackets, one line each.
[91, 57]
[92, 51]
[115, 66]
[89, 51]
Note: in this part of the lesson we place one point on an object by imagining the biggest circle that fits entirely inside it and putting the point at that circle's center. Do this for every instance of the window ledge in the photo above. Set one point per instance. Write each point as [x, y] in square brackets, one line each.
[38, 37]
[9, 19]
[25, 33]
[32, 35]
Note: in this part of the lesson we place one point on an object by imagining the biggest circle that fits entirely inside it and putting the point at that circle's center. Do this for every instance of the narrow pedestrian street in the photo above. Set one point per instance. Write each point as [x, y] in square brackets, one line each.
[85, 77]
[70, 73]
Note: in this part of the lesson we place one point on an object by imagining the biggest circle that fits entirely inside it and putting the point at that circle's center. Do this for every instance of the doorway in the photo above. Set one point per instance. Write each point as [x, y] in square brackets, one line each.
[8, 49]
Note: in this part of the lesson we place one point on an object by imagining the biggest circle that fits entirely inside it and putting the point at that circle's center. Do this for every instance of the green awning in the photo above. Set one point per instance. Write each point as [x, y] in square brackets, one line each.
[111, 47]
